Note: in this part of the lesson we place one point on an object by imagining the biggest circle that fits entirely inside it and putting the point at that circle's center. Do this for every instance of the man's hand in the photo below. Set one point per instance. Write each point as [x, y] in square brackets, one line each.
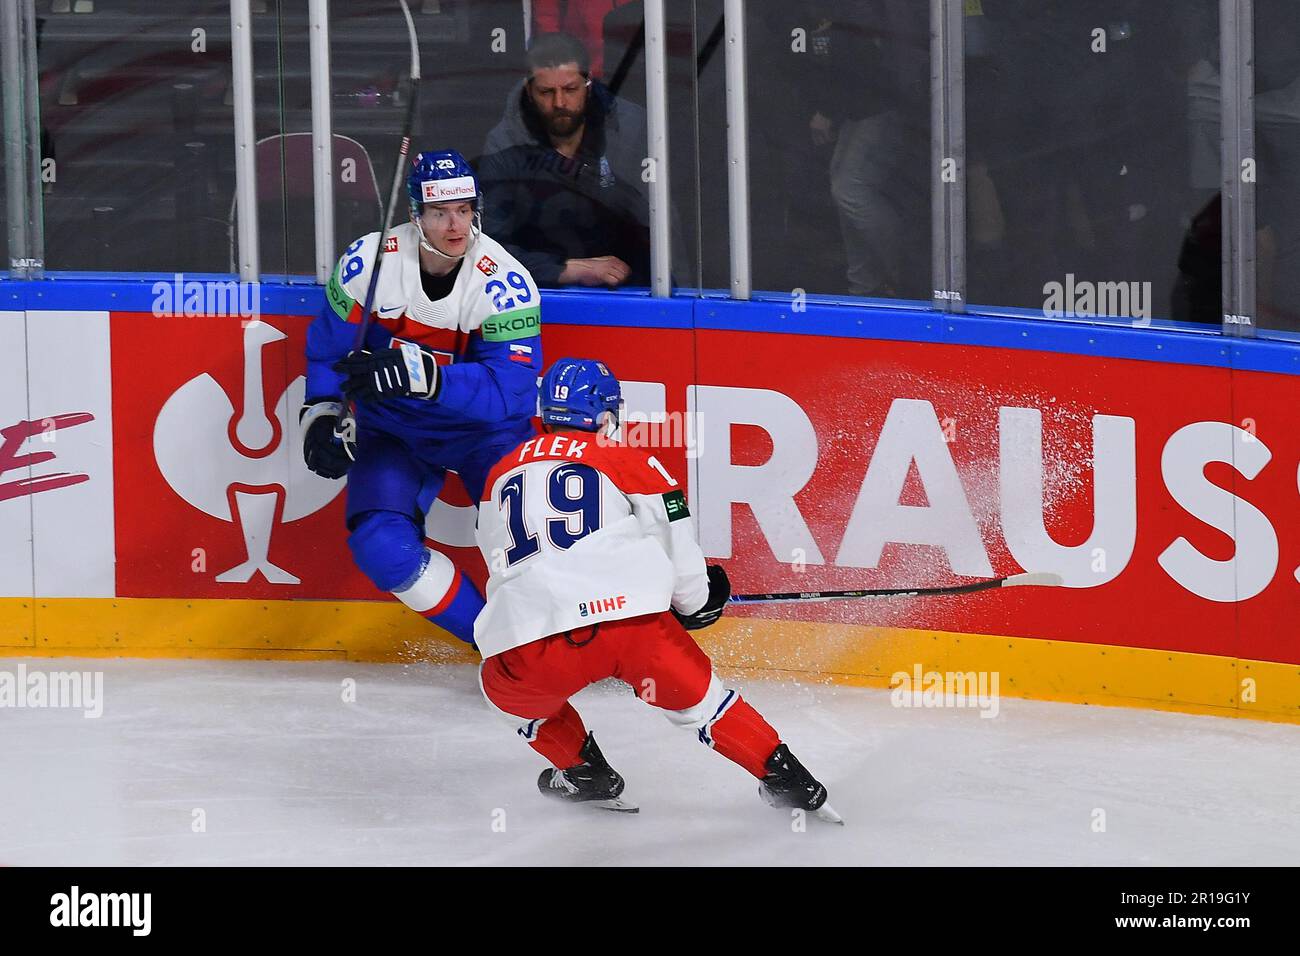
[404, 372]
[719, 592]
[602, 270]
[324, 449]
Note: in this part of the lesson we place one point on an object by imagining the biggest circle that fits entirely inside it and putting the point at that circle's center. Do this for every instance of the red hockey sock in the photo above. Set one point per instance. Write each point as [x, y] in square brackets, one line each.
[559, 739]
[744, 737]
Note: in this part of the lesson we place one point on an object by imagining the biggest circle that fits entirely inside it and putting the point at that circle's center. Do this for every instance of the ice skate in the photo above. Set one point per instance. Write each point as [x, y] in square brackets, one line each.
[593, 782]
[789, 784]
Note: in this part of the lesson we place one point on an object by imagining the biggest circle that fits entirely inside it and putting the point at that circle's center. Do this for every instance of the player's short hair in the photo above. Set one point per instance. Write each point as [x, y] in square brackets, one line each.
[556, 49]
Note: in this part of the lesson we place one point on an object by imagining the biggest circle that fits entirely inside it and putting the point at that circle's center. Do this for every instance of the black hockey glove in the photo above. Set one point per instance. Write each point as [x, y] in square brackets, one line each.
[326, 452]
[719, 591]
[405, 372]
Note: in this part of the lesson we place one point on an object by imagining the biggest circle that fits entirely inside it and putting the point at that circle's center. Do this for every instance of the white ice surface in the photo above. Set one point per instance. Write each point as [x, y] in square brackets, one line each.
[419, 771]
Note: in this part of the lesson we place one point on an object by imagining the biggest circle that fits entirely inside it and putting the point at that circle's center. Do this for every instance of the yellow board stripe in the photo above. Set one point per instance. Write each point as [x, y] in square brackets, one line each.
[841, 653]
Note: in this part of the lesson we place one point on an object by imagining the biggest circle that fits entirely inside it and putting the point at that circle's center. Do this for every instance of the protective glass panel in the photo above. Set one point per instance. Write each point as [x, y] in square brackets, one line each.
[11, 130]
[617, 30]
[839, 140]
[286, 231]
[1092, 134]
[470, 54]
[137, 117]
[1277, 152]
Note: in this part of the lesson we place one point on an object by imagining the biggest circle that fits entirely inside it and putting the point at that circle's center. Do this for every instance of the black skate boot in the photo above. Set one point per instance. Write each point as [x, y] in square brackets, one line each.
[789, 784]
[592, 782]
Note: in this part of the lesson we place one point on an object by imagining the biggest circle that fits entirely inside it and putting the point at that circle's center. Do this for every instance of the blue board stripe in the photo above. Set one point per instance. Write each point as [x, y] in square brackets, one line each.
[817, 315]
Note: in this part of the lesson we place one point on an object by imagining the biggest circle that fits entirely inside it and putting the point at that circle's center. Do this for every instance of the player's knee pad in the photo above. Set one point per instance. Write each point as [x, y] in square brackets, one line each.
[389, 549]
[717, 701]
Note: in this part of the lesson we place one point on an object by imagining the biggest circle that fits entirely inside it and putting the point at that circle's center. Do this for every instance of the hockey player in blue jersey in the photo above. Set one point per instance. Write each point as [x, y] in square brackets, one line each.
[446, 380]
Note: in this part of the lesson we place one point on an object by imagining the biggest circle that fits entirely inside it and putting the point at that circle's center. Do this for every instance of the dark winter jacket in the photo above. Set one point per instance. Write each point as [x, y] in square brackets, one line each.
[868, 56]
[546, 208]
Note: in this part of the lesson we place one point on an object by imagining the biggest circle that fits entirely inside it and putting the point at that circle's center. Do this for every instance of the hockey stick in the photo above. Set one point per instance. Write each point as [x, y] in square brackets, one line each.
[1042, 579]
[347, 424]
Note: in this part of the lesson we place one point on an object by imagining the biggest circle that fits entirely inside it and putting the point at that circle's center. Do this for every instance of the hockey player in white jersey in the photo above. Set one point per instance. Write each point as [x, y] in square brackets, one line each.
[595, 573]
[445, 380]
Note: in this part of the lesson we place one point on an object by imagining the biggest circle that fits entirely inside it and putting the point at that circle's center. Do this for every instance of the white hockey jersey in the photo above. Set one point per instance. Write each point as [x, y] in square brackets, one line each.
[574, 531]
[492, 285]
[485, 336]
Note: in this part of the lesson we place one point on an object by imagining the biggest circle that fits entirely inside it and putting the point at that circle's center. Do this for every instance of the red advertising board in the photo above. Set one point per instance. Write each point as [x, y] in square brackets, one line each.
[1163, 576]
[1164, 493]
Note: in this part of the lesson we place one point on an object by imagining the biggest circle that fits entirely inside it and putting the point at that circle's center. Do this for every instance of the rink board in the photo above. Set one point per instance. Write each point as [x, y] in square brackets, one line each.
[169, 515]
[807, 651]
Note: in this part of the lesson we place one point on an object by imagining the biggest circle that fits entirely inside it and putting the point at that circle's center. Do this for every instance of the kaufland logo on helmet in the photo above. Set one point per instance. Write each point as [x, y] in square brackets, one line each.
[601, 605]
[446, 190]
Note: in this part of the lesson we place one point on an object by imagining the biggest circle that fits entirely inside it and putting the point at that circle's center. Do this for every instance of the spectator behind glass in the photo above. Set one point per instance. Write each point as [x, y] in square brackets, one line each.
[561, 174]
[868, 92]
[583, 19]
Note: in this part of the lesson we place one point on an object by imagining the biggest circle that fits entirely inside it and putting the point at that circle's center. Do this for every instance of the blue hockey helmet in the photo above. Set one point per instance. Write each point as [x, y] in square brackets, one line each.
[576, 391]
[441, 176]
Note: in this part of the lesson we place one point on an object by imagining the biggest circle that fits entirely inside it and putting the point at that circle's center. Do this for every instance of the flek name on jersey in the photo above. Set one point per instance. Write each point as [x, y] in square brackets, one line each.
[520, 353]
[599, 605]
[487, 266]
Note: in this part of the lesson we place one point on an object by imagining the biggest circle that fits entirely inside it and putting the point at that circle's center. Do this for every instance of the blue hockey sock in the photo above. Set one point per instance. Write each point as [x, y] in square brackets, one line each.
[443, 595]
[456, 612]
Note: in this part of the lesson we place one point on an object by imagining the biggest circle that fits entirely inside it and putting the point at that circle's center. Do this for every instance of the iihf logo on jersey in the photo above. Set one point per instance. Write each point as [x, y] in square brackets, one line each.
[601, 605]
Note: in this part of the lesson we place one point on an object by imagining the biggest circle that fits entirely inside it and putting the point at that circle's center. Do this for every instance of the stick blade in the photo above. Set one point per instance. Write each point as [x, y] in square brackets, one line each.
[1036, 579]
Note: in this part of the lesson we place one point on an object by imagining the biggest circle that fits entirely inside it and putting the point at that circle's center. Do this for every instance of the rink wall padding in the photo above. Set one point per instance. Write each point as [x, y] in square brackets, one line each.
[152, 501]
